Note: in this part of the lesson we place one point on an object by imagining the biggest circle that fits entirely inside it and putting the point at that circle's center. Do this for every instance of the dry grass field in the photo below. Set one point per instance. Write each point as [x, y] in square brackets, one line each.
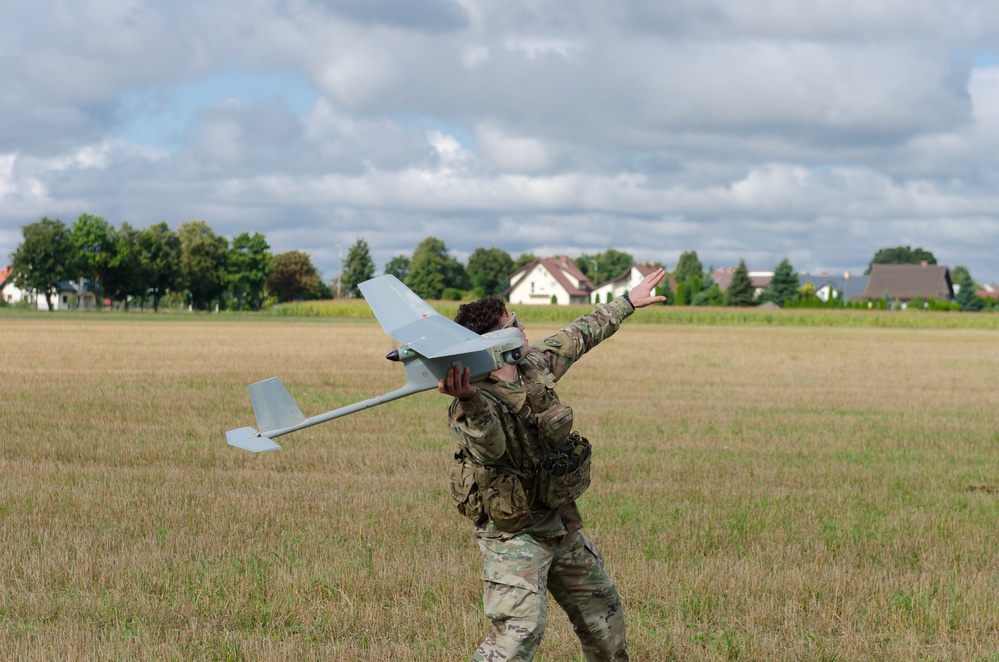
[759, 493]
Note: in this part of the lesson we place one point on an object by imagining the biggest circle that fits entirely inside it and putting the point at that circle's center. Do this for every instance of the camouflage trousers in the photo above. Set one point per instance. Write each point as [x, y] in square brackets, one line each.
[516, 575]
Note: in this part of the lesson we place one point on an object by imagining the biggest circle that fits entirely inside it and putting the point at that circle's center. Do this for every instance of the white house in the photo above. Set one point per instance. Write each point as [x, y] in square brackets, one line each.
[549, 280]
[68, 294]
[9, 293]
[631, 277]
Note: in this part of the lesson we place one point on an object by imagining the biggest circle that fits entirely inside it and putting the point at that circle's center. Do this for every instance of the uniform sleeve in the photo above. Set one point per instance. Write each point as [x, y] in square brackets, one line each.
[568, 345]
[477, 427]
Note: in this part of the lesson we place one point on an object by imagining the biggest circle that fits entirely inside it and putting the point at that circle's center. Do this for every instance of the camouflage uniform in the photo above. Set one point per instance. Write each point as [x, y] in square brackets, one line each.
[536, 548]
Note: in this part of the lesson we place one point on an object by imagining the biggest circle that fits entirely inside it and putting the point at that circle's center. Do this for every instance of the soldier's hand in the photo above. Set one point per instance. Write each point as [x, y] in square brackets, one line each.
[457, 383]
[643, 294]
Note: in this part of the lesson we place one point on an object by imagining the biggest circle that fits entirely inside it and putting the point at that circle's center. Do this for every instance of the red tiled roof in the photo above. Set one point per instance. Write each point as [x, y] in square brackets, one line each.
[723, 278]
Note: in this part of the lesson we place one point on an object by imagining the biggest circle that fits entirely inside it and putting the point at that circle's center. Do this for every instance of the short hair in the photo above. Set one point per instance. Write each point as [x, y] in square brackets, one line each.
[481, 316]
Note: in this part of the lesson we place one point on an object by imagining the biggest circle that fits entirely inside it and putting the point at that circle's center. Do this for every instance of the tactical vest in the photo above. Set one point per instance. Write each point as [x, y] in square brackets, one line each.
[546, 464]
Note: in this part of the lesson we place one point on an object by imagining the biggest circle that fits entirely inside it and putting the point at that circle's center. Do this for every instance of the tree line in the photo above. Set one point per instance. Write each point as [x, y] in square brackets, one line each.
[198, 268]
[194, 266]
[695, 287]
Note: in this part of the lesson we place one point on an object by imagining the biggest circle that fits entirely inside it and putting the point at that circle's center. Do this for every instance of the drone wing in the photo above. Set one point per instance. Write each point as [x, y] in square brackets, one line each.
[410, 320]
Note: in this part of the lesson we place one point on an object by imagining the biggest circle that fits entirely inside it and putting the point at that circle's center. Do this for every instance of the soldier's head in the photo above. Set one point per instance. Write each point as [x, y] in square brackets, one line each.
[482, 316]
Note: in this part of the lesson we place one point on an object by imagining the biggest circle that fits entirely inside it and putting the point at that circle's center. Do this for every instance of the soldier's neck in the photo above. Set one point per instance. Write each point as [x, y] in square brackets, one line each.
[507, 373]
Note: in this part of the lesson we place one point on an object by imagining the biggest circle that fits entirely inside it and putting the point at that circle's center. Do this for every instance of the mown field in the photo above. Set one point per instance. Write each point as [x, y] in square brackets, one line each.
[760, 492]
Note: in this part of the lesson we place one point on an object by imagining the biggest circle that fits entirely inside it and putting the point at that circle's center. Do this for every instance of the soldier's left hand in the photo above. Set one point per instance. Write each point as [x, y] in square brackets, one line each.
[643, 294]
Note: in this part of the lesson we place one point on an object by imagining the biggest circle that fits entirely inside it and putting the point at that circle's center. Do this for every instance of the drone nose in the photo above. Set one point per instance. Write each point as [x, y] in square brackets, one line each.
[393, 355]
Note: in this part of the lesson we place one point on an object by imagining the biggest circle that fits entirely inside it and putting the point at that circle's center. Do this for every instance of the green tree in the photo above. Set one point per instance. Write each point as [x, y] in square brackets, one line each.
[958, 272]
[682, 294]
[94, 248]
[602, 267]
[433, 270]
[664, 290]
[966, 296]
[124, 277]
[709, 296]
[488, 269]
[247, 267]
[202, 263]
[160, 260]
[523, 260]
[687, 267]
[740, 291]
[292, 276]
[901, 255]
[358, 269]
[44, 258]
[783, 287]
[399, 267]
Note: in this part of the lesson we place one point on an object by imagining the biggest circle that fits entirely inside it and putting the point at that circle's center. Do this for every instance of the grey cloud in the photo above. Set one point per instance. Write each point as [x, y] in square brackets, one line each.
[431, 16]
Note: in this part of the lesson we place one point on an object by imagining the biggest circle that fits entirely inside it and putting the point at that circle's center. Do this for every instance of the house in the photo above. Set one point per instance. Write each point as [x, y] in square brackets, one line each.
[10, 293]
[905, 282]
[760, 279]
[989, 291]
[631, 277]
[549, 280]
[68, 294]
[846, 287]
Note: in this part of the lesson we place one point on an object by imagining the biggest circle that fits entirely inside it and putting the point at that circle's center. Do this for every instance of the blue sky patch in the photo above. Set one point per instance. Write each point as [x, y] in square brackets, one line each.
[157, 115]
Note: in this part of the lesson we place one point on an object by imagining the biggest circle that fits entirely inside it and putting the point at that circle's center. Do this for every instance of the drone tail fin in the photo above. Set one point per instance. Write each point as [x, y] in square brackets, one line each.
[273, 406]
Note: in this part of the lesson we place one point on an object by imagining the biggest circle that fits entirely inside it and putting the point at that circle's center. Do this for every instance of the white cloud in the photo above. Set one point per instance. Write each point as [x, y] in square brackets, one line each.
[510, 153]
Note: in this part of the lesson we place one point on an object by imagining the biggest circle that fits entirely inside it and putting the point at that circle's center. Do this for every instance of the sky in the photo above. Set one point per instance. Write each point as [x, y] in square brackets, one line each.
[814, 130]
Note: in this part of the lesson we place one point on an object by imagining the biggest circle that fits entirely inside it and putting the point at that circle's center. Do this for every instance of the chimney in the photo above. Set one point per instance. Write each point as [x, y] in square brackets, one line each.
[924, 263]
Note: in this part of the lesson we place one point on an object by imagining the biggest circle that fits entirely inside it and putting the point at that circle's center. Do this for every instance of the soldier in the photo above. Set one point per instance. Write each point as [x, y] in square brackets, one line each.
[519, 469]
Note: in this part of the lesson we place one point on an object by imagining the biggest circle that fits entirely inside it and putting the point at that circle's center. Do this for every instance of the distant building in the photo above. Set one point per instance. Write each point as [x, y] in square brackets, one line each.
[905, 282]
[760, 279]
[845, 288]
[549, 280]
[10, 293]
[989, 291]
[68, 295]
[631, 277]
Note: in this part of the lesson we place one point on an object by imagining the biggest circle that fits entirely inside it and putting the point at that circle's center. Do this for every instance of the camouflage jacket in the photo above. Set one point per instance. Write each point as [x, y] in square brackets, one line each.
[487, 427]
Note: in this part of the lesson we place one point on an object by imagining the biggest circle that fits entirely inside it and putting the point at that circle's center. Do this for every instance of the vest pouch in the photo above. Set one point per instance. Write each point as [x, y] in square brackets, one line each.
[565, 473]
[504, 499]
[465, 491]
[554, 425]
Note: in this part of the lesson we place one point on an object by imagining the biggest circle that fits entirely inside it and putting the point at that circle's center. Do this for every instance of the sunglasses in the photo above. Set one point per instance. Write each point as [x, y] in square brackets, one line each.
[511, 322]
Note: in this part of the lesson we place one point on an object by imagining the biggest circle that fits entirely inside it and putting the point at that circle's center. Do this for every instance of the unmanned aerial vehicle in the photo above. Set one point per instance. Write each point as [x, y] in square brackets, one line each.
[432, 344]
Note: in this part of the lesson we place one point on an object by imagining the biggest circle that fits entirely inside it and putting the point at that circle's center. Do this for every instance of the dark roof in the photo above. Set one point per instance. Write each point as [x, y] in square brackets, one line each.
[854, 286]
[909, 281]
